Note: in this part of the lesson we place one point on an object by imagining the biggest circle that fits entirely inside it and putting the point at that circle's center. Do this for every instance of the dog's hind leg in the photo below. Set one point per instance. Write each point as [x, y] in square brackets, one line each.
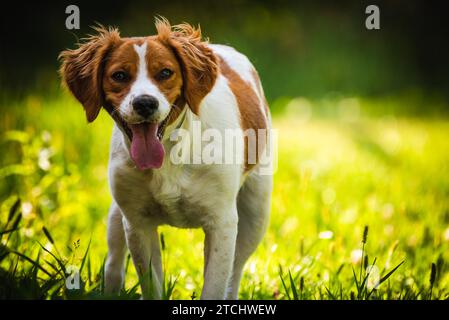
[253, 205]
[114, 267]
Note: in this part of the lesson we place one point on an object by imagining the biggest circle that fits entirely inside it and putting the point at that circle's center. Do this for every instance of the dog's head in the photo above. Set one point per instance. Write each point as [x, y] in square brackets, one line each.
[143, 82]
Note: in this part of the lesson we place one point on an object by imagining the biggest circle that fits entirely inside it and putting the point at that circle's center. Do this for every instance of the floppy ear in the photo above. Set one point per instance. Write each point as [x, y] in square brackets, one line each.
[197, 60]
[82, 69]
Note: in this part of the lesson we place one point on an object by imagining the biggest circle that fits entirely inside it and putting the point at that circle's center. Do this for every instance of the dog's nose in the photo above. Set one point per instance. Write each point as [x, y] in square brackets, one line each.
[145, 105]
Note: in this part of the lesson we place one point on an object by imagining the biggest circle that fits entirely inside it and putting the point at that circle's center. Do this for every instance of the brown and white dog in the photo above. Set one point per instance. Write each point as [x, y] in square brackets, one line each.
[152, 86]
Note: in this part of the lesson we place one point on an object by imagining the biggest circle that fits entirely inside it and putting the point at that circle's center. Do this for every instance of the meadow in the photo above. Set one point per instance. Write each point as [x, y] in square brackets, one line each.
[360, 208]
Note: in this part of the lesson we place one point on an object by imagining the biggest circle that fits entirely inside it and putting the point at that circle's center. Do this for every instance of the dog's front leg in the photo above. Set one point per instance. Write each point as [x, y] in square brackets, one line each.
[115, 263]
[219, 256]
[139, 239]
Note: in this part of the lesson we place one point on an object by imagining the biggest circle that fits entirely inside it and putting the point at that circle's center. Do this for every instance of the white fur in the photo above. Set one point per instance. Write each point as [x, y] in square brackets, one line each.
[232, 211]
[236, 61]
[143, 85]
[241, 64]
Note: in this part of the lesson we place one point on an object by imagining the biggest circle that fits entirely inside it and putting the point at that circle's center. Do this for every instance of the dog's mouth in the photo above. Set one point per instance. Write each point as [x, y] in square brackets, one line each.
[147, 150]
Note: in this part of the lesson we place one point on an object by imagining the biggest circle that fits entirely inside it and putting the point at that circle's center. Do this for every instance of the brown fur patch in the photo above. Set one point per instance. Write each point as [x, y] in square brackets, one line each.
[198, 62]
[82, 69]
[259, 91]
[122, 58]
[251, 114]
[158, 57]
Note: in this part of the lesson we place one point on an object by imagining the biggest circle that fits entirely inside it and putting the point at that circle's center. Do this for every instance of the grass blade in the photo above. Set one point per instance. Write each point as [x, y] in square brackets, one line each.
[293, 287]
[384, 278]
[59, 261]
[32, 262]
[356, 282]
[13, 210]
[283, 283]
[48, 235]
[85, 255]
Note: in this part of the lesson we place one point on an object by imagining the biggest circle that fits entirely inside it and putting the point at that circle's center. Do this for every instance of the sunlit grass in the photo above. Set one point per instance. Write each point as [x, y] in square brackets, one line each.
[336, 175]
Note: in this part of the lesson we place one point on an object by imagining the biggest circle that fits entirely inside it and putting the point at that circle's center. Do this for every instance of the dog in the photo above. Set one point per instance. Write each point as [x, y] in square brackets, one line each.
[153, 86]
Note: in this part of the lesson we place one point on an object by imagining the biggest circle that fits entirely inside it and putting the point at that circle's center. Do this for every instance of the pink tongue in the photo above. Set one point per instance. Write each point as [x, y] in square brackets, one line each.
[147, 151]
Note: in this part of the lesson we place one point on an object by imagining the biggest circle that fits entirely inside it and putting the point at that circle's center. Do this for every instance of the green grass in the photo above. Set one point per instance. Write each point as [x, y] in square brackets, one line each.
[338, 172]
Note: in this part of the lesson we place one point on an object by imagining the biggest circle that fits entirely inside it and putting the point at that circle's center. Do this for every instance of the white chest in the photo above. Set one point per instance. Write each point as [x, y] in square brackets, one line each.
[188, 196]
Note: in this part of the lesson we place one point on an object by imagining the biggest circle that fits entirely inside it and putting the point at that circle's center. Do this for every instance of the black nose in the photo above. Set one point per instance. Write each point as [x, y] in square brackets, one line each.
[145, 105]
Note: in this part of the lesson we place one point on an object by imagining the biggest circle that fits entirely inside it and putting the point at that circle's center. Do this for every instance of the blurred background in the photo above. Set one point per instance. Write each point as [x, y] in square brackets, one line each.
[309, 48]
[363, 141]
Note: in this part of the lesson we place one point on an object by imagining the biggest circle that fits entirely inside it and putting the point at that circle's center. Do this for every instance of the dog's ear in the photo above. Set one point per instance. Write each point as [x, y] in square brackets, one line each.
[197, 60]
[82, 69]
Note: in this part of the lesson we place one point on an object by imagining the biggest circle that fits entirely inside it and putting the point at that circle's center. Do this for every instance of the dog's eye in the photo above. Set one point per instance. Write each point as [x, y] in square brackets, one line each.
[164, 74]
[120, 76]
